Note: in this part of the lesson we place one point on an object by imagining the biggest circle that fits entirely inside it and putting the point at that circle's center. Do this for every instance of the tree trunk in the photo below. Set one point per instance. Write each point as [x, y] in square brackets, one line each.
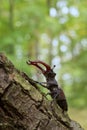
[11, 15]
[24, 107]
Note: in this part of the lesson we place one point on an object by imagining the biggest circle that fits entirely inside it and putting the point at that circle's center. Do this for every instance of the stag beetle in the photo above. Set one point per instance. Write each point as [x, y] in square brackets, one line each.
[51, 84]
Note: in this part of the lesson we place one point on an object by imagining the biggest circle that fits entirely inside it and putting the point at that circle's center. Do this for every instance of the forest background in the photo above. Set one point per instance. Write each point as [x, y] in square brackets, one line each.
[54, 31]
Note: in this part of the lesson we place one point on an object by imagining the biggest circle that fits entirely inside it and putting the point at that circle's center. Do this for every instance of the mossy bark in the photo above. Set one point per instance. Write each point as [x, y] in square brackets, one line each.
[24, 107]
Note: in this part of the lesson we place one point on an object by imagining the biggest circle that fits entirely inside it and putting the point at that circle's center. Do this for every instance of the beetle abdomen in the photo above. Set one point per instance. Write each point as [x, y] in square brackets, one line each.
[63, 104]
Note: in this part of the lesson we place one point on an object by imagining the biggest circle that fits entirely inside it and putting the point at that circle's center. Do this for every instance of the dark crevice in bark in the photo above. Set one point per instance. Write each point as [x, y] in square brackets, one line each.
[19, 127]
[7, 89]
[10, 110]
[37, 126]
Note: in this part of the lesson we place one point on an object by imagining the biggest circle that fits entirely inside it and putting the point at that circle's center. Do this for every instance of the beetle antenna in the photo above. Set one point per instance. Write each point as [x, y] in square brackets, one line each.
[53, 67]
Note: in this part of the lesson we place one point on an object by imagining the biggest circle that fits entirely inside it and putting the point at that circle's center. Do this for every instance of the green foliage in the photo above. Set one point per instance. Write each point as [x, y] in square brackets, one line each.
[55, 32]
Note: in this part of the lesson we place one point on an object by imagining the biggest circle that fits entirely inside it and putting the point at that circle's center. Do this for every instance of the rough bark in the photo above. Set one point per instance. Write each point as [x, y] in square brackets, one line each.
[24, 107]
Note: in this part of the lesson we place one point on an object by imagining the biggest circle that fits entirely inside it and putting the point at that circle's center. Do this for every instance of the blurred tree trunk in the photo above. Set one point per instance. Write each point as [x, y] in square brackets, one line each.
[24, 107]
[11, 15]
[36, 49]
[50, 55]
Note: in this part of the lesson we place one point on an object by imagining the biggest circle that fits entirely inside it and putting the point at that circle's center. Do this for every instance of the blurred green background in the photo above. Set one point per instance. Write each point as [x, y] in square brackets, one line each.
[54, 31]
